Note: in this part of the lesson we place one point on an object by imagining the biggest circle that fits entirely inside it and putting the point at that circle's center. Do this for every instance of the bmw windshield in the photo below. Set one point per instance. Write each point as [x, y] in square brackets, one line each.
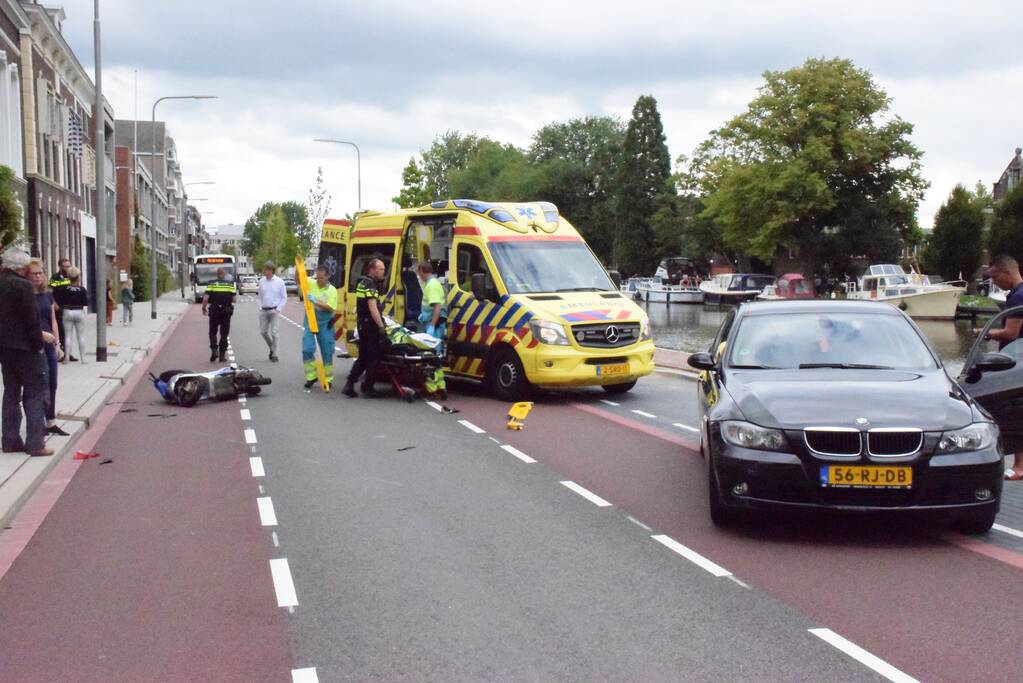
[549, 266]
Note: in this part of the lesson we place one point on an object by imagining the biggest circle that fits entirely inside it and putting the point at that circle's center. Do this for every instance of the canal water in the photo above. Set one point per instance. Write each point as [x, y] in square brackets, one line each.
[692, 328]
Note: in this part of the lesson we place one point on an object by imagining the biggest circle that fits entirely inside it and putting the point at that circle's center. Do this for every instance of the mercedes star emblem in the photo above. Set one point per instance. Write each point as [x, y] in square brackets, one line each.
[611, 334]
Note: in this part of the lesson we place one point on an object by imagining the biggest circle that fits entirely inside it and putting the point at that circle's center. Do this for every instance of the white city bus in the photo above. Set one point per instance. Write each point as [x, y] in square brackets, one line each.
[205, 271]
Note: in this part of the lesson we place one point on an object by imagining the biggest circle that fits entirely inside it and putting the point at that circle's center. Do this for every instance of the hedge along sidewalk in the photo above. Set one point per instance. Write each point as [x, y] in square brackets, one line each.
[83, 389]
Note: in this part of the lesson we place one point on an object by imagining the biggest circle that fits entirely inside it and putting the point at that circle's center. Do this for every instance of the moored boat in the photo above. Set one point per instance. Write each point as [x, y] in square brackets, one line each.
[654, 290]
[911, 292]
[788, 286]
[730, 289]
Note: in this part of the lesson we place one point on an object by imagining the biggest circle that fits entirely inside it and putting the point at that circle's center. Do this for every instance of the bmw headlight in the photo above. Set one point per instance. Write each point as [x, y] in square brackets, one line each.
[644, 329]
[976, 437]
[749, 435]
[547, 332]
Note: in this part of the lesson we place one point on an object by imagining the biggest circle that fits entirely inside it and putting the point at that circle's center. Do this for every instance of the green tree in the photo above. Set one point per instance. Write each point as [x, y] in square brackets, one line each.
[496, 172]
[317, 206]
[578, 160]
[643, 187]
[140, 270]
[428, 179]
[10, 210]
[954, 248]
[279, 243]
[1006, 235]
[228, 249]
[296, 221]
[814, 167]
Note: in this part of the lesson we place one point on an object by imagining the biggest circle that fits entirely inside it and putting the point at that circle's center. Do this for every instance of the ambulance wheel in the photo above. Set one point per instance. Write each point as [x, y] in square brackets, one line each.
[618, 388]
[505, 375]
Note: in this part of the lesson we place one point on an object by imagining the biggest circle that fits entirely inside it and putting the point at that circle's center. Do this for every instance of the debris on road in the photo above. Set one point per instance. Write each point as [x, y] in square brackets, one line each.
[517, 413]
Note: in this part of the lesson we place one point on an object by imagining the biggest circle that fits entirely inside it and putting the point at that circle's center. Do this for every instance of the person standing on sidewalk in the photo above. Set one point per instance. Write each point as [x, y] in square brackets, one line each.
[127, 301]
[110, 303]
[48, 322]
[75, 305]
[323, 297]
[218, 302]
[272, 297]
[58, 281]
[371, 329]
[22, 359]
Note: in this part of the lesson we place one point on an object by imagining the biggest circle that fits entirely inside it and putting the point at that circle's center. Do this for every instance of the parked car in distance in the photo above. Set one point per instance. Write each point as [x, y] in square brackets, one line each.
[843, 405]
[249, 285]
[291, 287]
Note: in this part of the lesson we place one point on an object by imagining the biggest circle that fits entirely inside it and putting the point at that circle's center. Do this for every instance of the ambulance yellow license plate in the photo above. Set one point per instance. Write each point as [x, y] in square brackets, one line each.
[874, 477]
[612, 370]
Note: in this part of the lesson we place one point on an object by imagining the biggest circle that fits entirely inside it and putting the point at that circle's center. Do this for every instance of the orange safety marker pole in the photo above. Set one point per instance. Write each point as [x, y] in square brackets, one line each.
[310, 316]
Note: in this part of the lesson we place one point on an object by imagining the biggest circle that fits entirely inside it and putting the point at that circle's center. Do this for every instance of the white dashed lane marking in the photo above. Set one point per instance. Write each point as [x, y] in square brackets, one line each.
[588, 495]
[471, 427]
[267, 516]
[250, 436]
[284, 586]
[610, 403]
[518, 454]
[307, 675]
[691, 555]
[687, 427]
[1007, 530]
[643, 413]
[246, 415]
[862, 656]
[256, 464]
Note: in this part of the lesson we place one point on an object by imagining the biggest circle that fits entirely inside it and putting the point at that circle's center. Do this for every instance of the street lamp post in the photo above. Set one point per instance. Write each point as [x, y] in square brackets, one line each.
[358, 164]
[183, 269]
[152, 217]
[101, 202]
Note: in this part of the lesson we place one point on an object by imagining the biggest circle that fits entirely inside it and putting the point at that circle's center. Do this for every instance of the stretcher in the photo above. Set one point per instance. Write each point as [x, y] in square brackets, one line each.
[409, 359]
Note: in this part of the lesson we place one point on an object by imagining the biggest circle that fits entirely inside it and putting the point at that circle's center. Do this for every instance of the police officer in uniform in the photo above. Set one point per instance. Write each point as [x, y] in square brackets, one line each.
[219, 301]
[371, 329]
[59, 282]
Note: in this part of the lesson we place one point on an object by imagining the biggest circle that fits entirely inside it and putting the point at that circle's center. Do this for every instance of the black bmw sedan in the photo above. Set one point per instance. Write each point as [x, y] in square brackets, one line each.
[843, 405]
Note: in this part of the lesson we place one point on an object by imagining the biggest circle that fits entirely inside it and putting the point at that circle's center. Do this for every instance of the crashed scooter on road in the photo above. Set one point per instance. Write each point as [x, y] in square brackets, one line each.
[186, 388]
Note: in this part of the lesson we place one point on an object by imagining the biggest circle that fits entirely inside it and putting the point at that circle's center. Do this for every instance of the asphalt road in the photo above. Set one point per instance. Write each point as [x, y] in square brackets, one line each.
[379, 540]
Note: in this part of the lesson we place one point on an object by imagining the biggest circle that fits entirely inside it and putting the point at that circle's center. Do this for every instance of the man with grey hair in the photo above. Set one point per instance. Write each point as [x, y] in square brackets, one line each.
[22, 360]
[272, 297]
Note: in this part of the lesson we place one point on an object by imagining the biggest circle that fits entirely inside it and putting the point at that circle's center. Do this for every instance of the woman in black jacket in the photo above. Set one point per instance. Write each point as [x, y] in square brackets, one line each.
[75, 304]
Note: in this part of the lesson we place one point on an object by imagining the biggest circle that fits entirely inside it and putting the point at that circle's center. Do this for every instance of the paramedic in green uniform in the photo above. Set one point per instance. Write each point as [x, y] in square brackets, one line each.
[323, 297]
[218, 301]
[371, 329]
[433, 318]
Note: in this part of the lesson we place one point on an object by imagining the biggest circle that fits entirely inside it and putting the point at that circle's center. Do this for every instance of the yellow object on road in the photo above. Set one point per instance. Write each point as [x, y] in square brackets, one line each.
[517, 413]
[310, 316]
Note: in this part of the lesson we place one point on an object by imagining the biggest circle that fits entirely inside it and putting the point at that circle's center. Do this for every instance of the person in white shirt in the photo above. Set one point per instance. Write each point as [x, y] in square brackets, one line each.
[272, 297]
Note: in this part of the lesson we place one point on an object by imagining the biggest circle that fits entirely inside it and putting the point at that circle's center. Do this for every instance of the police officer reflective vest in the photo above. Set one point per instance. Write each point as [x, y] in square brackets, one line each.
[221, 293]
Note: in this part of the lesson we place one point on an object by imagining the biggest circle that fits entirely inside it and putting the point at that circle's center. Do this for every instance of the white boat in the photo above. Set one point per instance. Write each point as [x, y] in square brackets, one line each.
[730, 289]
[997, 294]
[655, 291]
[911, 292]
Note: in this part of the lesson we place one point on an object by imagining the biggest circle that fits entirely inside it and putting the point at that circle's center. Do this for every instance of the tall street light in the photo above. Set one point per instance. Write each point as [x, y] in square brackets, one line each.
[152, 247]
[183, 269]
[358, 163]
[99, 119]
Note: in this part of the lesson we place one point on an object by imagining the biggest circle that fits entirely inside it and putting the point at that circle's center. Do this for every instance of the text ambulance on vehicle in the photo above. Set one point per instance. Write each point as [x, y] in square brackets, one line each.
[527, 301]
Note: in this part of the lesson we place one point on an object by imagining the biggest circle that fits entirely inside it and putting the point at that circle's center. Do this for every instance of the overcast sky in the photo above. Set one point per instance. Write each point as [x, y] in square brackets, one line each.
[390, 75]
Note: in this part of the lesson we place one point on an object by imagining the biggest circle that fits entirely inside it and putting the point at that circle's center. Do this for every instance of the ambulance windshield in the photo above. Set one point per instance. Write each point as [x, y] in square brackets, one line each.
[549, 266]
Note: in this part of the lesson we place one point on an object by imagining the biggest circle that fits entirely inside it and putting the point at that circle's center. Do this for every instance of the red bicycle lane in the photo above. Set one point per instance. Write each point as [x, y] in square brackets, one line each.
[154, 565]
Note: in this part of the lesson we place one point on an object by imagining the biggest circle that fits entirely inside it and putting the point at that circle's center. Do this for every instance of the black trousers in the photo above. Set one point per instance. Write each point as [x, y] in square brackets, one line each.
[219, 322]
[370, 349]
[60, 328]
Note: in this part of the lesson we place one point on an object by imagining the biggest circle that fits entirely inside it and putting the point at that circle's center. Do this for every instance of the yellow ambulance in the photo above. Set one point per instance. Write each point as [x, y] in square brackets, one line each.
[528, 304]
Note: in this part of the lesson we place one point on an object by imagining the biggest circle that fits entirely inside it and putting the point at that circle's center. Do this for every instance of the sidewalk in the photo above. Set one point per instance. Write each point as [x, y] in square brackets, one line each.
[674, 360]
[82, 391]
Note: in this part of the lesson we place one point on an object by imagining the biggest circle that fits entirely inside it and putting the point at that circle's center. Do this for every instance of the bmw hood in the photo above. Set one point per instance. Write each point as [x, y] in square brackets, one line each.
[845, 398]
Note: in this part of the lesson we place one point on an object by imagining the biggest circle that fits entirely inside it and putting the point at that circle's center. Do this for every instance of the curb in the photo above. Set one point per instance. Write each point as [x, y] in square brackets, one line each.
[29, 480]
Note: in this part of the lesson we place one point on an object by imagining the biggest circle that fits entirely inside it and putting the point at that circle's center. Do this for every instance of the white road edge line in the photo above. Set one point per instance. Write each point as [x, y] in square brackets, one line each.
[588, 495]
[246, 415]
[643, 413]
[691, 555]
[307, 675]
[682, 426]
[436, 406]
[1007, 530]
[267, 516]
[862, 656]
[471, 427]
[518, 454]
[257, 467]
[250, 436]
[610, 403]
[283, 585]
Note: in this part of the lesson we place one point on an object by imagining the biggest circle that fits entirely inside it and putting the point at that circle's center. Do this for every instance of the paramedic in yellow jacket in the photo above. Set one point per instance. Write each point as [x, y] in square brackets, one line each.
[323, 297]
[433, 319]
